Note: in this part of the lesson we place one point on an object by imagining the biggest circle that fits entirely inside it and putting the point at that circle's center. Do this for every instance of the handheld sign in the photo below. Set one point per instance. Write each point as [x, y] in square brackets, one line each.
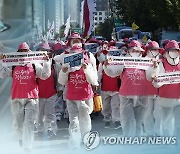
[75, 59]
[23, 58]
[91, 47]
[115, 52]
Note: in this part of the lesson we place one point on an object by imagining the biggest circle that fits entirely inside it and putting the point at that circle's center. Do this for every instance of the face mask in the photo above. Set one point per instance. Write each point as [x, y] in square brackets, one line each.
[154, 53]
[77, 44]
[173, 54]
[135, 54]
[101, 58]
[105, 47]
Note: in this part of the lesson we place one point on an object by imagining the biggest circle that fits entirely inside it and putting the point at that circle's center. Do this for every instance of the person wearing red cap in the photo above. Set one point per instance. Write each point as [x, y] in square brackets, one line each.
[124, 46]
[74, 40]
[169, 96]
[110, 96]
[165, 42]
[132, 92]
[151, 112]
[48, 90]
[101, 55]
[112, 43]
[79, 96]
[58, 49]
[24, 94]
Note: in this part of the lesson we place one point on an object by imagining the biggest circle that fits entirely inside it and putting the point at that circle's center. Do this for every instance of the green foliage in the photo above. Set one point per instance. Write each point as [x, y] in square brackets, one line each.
[105, 29]
[150, 15]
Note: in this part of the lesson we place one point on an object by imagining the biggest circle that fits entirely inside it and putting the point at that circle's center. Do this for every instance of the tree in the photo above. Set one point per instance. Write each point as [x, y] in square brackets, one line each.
[105, 29]
[150, 15]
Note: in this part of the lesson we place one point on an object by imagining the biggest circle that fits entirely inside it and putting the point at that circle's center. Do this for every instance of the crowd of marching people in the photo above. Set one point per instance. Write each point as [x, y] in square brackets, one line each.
[132, 99]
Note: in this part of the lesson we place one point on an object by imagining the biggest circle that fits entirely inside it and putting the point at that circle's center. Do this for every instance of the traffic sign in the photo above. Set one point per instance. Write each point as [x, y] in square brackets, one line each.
[78, 30]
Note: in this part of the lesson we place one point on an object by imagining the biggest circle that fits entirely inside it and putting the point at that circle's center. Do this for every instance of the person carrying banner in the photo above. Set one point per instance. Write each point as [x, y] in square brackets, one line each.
[124, 46]
[110, 97]
[79, 95]
[48, 90]
[74, 40]
[151, 112]
[24, 94]
[132, 91]
[169, 94]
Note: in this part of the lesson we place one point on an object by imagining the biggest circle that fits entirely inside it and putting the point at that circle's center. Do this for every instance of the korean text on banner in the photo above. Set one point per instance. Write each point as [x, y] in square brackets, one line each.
[75, 59]
[130, 62]
[23, 58]
[168, 78]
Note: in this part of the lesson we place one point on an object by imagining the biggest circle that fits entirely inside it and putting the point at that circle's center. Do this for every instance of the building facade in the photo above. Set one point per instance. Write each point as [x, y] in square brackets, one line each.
[1, 7]
[73, 8]
[102, 11]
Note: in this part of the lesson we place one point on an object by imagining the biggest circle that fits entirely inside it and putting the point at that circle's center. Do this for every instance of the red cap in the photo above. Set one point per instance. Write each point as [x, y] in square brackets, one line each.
[44, 45]
[57, 46]
[105, 42]
[136, 45]
[165, 42]
[152, 45]
[23, 45]
[74, 35]
[172, 45]
[112, 43]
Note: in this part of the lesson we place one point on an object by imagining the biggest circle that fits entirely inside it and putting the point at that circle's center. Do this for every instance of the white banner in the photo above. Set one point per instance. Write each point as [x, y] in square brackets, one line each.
[22, 58]
[74, 59]
[168, 78]
[130, 62]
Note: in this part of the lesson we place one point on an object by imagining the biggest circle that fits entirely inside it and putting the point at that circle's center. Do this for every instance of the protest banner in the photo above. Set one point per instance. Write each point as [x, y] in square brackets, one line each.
[74, 59]
[168, 78]
[23, 58]
[130, 62]
[91, 47]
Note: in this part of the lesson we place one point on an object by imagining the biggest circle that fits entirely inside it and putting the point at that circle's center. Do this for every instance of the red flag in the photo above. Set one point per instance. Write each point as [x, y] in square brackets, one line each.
[89, 9]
